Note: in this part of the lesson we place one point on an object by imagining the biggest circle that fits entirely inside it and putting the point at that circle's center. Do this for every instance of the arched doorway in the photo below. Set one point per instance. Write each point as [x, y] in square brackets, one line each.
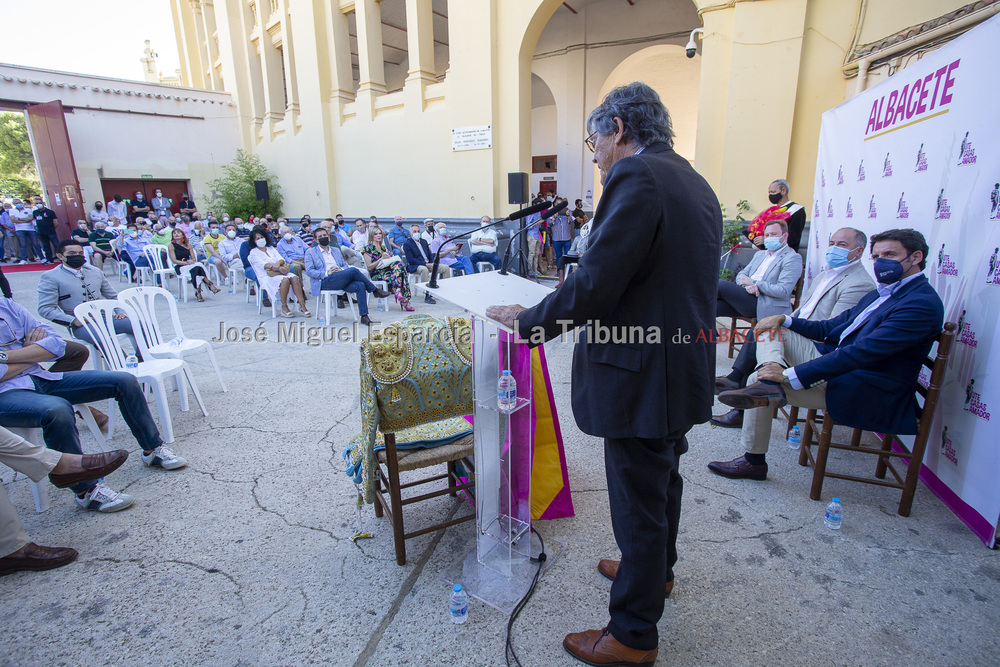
[544, 138]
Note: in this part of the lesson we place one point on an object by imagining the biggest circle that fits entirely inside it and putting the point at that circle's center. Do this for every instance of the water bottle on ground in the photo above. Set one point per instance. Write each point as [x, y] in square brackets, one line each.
[459, 604]
[322, 320]
[506, 392]
[834, 514]
[132, 364]
[795, 438]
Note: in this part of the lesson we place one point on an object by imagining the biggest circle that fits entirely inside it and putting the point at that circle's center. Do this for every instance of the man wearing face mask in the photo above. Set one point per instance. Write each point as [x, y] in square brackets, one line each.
[420, 260]
[130, 245]
[24, 227]
[838, 287]
[97, 214]
[451, 255]
[327, 270]
[861, 366]
[211, 245]
[764, 286]
[45, 224]
[777, 194]
[10, 247]
[161, 204]
[100, 241]
[140, 207]
[483, 244]
[292, 250]
[118, 209]
[187, 206]
[161, 232]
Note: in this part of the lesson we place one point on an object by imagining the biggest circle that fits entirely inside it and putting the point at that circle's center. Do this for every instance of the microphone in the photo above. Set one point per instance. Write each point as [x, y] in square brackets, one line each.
[516, 215]
[545, 216]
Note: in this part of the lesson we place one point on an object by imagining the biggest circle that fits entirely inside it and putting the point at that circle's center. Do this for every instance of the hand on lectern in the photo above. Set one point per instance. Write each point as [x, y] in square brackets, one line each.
[505, 315]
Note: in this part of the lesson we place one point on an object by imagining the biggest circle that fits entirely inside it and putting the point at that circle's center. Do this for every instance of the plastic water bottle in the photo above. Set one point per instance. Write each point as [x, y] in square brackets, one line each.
[795, 438]
[322, 320]
[506, 392]
[834, 514]
[176, 342]
[459, 604]
[132, 364]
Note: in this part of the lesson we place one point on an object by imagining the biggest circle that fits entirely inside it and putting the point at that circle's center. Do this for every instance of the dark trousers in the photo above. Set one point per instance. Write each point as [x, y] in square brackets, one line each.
[746, 362]
[49, 243]
[644, 487]
[350, 280]
[735, 301]
[5, 286]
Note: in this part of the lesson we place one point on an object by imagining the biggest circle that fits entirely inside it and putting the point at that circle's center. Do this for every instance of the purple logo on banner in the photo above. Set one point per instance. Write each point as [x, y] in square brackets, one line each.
[886, 167]
[816, 209]
[947, 449]
[861, 171]
[945, 264]
[943, 211]
[902, 212]
[872, 212]
[921, 160]
[993, 272]
[840, 175]
[822, 177]
[850, 209]
[829, 209]
[966, 153]
[966, 334]
[974, 403]
[995, 202]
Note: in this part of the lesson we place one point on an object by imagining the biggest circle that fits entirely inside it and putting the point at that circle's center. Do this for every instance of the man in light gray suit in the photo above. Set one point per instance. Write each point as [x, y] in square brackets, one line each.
[837, 288]
[73, 282]
[764, 287]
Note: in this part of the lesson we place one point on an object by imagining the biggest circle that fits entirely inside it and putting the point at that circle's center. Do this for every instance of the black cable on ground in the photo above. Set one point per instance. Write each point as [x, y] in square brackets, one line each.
[509, 646]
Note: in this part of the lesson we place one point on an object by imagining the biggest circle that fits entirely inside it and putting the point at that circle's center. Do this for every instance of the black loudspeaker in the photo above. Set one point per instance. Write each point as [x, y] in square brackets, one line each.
[517, 188]
[261, 188]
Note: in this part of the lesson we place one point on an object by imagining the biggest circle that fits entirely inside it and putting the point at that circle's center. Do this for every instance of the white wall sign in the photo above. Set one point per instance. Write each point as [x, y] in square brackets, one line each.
[471, 138]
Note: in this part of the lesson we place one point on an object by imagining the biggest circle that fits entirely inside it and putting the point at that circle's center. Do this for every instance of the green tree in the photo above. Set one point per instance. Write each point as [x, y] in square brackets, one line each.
[17, 163]
[234, 191]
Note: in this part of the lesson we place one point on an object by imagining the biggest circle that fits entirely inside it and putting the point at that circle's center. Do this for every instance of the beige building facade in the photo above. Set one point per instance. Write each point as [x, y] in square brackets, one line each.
[422, 107]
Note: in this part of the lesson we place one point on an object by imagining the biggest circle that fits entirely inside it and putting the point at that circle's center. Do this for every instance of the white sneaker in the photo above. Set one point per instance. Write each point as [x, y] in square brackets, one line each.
[23, 261]
[102, 498]
[165, 458]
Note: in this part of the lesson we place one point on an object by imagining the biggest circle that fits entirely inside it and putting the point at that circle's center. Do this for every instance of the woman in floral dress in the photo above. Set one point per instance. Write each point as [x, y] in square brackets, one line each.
[383, 265]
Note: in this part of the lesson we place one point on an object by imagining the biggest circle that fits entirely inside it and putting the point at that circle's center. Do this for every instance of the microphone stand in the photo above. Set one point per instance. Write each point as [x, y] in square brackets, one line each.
[433, 284]
[524, 228]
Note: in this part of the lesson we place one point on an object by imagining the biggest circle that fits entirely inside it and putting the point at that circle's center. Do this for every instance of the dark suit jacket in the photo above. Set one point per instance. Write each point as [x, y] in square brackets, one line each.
[872, 376]
[652, 262]
[413, 258]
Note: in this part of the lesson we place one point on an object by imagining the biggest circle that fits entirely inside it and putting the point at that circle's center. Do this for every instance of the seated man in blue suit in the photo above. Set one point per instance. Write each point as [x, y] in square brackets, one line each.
[861, 366]
[420, 260]
[327, 270]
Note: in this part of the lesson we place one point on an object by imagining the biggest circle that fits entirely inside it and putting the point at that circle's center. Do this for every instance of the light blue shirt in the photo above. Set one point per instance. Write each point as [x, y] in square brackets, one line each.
[344, 239]
[291, 250]
[229, 248]
[15, 323]
[134, 246]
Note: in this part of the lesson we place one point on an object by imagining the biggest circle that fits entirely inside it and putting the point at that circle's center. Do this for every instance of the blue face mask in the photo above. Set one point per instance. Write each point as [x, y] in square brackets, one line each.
[888, 271]
[837, 256]
[772, 243]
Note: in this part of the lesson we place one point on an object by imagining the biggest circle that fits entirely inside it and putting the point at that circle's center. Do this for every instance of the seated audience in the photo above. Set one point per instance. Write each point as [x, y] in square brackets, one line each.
[360, 235]
[343, 238]
[382, 264]
[397, 236]
[306, 232]
[764, 287]
[429, 231]
[327, 270]
[97, 214]
[211, 247]
[292, 249]
[161, 233]
[451, 255]
[31, 397]
[17, 552]
[130, 245]
[273, 273]
[100, 243]
[483, 245]
[861, 366]
[837, 288]
[181, 255]
[420, 260]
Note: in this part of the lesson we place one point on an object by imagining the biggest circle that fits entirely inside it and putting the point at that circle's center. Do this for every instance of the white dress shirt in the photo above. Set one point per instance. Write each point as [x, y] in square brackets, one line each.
[828, 277]
[762, 269]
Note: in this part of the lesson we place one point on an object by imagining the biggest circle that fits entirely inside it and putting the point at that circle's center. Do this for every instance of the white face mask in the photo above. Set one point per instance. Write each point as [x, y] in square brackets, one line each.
[443, 230]
[133, 233]
[287, 236]
[231, 233]
[214, 232]
[225, 218]
[261, 243]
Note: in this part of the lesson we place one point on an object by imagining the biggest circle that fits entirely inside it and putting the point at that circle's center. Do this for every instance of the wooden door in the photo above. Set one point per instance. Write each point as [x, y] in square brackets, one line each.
[55, 159]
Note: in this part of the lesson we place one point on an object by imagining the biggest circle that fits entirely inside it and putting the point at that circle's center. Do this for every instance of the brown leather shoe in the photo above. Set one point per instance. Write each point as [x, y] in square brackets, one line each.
[94, 466]
[609, 568]
[598, 647]
[34, 557]
[723, 383]
[739, 468]
[101, 419]
[732, 419]
[757, 395]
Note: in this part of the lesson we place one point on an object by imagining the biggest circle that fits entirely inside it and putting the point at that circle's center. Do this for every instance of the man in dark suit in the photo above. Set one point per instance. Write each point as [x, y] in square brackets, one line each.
[420, 260]
[861, 366]
[641, 396]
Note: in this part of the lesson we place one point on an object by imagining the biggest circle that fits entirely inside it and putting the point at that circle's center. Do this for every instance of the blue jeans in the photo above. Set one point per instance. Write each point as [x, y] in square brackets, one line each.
[48, 243]
[464, 263]
[561, 248]
[490, 257]
[50, 407]
[350, 280]
[26, 237]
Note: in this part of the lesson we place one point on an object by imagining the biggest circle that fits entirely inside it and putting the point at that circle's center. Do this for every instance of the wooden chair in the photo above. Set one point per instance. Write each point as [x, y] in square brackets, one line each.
[884, 452]
[734, 327]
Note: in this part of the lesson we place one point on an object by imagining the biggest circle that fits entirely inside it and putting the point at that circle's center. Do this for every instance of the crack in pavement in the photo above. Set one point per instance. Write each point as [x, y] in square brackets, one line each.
[260, 505]
[216, 479]
[753, 537]
[709, 488]
[404, 590]
[144, 564]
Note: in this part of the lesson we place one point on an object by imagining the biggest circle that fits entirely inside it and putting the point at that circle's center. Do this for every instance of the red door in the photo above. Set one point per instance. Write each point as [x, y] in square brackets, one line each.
[546, 187]
[55, 157]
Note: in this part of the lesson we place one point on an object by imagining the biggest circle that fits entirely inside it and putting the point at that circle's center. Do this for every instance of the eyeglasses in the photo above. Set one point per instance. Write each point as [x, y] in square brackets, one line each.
[590, 141]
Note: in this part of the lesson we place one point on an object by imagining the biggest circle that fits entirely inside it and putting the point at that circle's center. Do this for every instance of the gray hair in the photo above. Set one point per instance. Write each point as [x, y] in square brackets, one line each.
[643, 115]
[860, 238]
[783, 184]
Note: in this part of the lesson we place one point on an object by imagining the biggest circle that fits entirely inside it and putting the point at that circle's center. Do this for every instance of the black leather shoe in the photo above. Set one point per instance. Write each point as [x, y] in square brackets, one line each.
[380, 293]
[723, 383]
[732, 419]
[365, 320]
[429, 299]
[341, 302]
[739, 468]
[757, 395]
[266, 302]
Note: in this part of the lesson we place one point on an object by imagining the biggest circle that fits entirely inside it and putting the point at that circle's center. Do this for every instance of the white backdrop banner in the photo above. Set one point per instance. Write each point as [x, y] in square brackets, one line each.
[921, 150]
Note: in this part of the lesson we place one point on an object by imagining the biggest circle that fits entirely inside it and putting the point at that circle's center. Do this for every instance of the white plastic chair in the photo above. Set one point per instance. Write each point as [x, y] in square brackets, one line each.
[155, 254]
[184, 278]
[484, 266]
[327, 296]
[143, 301]
[384, 301]
[98, 317]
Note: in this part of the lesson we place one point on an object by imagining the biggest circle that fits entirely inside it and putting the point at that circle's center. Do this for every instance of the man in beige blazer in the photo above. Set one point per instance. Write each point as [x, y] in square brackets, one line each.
[838, 287]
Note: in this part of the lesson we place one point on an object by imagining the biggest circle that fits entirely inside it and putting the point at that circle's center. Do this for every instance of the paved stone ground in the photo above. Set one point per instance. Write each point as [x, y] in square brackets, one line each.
[243, 558]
